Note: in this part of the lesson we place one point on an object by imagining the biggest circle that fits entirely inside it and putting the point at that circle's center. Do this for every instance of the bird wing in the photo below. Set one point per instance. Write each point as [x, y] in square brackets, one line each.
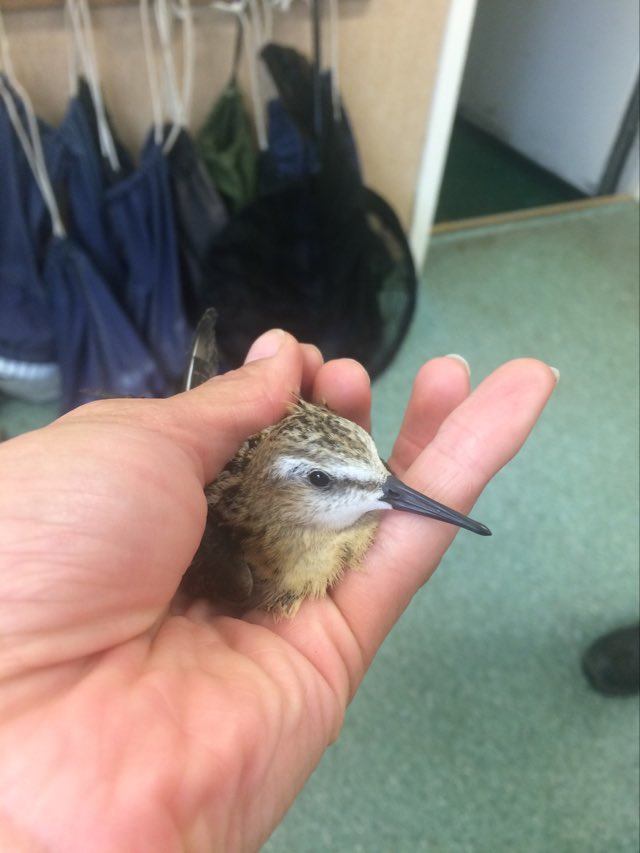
[218, 571]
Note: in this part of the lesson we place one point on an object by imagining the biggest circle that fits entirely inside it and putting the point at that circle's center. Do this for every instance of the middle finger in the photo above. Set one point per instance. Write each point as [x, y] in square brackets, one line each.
[343, 384]
[440, 386]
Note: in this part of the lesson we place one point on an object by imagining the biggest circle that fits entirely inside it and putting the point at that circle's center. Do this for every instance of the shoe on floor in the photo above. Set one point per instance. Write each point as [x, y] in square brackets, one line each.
[612, 663]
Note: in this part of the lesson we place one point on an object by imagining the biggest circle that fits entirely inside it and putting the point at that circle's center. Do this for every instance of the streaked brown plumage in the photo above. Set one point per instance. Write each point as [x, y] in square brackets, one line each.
[296, 506]
[272, 538]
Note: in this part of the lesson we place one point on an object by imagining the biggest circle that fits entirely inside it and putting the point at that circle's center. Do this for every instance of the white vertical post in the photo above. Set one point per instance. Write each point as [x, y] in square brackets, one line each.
[439, 122]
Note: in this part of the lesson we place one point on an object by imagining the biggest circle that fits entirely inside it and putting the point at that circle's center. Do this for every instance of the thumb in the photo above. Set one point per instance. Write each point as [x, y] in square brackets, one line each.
[213, 420]
[98, 516]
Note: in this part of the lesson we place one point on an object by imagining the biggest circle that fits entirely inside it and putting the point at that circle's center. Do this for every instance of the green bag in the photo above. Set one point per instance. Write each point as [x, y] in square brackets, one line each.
[228, 150]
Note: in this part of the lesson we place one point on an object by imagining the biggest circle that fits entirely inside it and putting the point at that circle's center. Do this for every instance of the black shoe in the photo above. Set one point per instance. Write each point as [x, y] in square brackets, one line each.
[612, 664]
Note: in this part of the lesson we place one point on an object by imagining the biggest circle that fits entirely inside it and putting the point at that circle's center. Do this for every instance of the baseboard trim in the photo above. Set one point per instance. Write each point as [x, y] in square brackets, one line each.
[529, 213]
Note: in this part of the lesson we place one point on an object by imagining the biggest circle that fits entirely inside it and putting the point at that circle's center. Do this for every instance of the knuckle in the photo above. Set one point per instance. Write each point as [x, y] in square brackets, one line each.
[463, 450]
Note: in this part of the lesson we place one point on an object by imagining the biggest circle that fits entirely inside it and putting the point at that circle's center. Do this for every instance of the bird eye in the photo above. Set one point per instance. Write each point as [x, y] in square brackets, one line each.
[319, 479]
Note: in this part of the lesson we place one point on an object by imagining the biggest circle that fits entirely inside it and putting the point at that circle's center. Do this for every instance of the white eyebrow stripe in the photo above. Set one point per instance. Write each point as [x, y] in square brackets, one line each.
[286, 465]
[352, 472]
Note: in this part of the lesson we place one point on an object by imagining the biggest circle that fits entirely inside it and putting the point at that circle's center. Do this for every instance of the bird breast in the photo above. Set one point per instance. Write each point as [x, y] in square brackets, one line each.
[304, 561]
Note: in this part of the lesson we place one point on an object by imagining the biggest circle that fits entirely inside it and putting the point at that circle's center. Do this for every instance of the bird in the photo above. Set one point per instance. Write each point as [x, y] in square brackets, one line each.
[297, 506]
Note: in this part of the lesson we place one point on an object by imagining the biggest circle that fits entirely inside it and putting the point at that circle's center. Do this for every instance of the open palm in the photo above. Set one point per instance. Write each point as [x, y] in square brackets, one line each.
[132, 721]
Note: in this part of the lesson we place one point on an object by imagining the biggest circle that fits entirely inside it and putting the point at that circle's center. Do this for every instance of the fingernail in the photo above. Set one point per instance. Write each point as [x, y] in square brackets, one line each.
[461, 359]
[555, 372]
[265, 346]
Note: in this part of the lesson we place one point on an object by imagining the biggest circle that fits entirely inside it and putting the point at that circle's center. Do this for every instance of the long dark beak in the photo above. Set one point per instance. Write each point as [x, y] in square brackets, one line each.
[403, 497]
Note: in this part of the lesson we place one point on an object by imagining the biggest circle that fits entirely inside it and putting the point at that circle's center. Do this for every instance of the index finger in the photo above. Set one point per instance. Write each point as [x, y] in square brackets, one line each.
[472, 445]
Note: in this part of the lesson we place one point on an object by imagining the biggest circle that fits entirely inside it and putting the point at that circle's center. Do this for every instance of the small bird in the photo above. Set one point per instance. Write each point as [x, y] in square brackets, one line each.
[296, 506]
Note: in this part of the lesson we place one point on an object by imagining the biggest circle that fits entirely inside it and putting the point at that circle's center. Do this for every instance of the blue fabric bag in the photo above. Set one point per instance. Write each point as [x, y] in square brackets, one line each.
[140, 215]
[28, 366]
[77, 173]
[200, 215]
[99, 351]
[124, 223]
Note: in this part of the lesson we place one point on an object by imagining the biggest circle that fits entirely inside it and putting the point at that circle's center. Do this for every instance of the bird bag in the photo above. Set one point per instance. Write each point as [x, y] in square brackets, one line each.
[28, 366]
[322, 255]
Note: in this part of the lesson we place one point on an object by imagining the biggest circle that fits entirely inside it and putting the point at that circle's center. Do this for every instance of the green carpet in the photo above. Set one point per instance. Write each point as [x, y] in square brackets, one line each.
[482, 176]
[475, 731]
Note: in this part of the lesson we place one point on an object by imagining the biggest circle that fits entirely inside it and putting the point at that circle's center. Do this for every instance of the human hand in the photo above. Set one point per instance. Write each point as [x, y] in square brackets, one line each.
[127, 724]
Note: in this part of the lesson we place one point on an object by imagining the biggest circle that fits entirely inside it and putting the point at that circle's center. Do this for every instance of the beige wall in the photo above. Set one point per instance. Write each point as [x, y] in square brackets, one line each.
[389, 53]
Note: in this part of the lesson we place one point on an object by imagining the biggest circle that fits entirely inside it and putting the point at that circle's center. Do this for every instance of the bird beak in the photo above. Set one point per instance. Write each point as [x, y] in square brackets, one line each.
[399, 496]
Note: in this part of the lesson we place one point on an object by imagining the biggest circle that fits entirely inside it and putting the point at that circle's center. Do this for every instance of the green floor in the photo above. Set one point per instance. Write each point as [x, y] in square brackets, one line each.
[482, 176]
[475, 731]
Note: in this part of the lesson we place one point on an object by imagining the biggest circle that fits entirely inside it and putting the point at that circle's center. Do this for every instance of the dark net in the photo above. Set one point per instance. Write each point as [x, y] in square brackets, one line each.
[323, 257]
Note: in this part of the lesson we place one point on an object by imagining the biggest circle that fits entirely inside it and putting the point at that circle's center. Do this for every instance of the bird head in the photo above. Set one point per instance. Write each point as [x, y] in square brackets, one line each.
[315, 468]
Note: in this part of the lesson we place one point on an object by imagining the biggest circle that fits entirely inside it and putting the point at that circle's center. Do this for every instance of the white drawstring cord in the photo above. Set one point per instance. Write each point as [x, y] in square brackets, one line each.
[250, 40]
[281, 5]
[188, 60]
[16, 122]
[73, 69]
[29, 140]
[334, 59]
[152, 71]
[77, 12]
[183, 11]
[96, 88]
[256, 17]
[163, 29]
[267, 17]
[180, 98]
[6, 63]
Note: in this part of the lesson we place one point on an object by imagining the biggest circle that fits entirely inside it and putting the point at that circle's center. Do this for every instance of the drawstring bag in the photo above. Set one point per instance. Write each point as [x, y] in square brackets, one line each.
[28, 366]
[109, 174]
[200, 216]
[79, 178]
[99, 351]
[225, 143]
[290, 157]
[140, 214]
[323, 256]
